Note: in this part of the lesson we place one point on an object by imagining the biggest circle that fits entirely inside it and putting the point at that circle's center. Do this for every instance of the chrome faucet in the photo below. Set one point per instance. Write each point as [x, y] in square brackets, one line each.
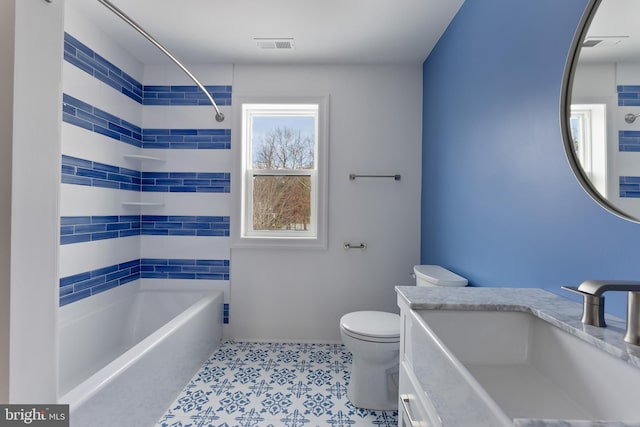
[593, 291]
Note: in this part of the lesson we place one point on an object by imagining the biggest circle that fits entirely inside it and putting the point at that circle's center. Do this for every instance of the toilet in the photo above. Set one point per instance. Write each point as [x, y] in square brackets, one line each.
[434, 275]
[373, 338]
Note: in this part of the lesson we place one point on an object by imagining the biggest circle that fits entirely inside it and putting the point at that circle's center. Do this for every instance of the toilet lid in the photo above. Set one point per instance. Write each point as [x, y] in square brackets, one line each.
[373, 324]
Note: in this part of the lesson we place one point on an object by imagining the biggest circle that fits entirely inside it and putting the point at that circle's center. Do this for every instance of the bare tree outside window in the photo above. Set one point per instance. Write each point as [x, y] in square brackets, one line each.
[284, 148]
[282, 201]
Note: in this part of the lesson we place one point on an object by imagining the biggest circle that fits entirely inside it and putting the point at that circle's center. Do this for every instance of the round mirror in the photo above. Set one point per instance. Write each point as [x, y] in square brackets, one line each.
[601, 105]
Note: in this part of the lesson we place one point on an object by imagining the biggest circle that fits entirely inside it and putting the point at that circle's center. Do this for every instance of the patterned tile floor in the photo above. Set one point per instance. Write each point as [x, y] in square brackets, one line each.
[248, 384]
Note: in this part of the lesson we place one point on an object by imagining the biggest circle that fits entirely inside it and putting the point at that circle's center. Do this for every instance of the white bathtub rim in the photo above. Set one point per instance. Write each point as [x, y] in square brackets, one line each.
[92, 385]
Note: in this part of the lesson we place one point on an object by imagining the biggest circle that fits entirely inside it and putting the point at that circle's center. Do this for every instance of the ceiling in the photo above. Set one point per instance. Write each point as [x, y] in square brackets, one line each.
[616, 24]
[327, 32]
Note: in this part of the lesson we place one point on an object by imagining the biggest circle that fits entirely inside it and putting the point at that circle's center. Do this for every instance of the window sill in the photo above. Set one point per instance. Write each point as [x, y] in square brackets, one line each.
[278, 243]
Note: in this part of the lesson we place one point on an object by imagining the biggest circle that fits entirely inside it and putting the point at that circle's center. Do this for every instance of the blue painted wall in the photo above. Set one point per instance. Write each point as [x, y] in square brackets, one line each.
[500, 204]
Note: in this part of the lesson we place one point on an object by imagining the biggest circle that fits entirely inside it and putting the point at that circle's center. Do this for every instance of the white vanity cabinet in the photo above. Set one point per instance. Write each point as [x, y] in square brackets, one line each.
[414, 406]
[413, 409]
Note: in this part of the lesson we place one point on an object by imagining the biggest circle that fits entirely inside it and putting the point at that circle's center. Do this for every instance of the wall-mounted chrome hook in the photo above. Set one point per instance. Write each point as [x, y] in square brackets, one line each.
[630, 118]
[348, 245]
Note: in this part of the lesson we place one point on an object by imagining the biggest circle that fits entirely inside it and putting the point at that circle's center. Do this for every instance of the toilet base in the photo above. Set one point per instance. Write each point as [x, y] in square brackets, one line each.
[371, 387]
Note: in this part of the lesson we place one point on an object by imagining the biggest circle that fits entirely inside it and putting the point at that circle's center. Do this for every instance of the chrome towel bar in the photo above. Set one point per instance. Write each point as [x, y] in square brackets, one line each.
[353, 176]
[348, 245]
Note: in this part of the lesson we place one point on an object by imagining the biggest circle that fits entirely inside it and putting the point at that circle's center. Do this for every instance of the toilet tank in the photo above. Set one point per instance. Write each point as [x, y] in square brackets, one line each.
[434, 275]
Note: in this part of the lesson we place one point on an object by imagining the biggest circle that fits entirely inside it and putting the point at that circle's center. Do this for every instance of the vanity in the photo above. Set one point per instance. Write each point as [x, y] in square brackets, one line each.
[511, 357]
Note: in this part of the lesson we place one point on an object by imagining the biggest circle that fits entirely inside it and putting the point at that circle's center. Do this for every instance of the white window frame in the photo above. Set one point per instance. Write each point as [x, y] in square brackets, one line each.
[583, 147]
[243, 234]
[593, 151]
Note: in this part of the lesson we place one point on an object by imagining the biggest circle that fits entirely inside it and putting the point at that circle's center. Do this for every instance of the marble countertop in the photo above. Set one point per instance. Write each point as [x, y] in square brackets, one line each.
[559, 311]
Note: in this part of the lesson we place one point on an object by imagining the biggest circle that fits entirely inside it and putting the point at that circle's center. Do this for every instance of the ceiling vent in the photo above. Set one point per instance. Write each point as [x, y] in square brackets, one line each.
[279, 44]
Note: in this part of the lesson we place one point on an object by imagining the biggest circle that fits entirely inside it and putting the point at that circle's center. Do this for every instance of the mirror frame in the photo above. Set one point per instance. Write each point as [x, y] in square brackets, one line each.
[565, 108]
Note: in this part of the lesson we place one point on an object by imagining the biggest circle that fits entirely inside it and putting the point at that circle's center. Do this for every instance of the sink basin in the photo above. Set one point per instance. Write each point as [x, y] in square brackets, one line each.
[530, 368]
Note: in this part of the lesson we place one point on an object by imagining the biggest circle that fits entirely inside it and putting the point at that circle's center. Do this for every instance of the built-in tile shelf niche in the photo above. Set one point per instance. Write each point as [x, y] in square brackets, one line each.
[142, 158]
[142, 204]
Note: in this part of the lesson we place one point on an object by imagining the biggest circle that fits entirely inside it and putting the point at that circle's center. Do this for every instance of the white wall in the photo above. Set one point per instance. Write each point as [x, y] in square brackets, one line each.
[35, 182]
[375, 127]
[7, 28]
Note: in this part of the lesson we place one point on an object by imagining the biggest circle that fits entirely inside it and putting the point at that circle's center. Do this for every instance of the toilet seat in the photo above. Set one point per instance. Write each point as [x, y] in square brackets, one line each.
[374, 326]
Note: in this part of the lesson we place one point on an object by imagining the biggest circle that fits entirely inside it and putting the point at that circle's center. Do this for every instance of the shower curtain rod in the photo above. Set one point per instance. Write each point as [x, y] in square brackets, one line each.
[132, 23]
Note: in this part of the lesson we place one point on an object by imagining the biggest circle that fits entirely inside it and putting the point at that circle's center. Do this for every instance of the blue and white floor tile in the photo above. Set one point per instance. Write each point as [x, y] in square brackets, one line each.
[249, 384]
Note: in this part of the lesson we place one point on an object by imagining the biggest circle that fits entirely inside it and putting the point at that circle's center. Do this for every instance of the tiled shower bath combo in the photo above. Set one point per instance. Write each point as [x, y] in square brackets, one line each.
[144, 266]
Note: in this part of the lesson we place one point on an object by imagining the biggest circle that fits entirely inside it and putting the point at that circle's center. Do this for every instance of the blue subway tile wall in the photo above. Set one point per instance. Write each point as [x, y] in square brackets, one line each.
[80, 55]
[186, 182]
[82, 285]
[77, 229]
[95, 174]
[628, 96]
[183, 225]
[217, 139]
[185, 95]
[79, 286]
[79, 113]
[630, 186]
[78, 171]
[225, 313]
[85, 115]
[83, 57]
[629, 140]
[192, 269]
[86, 172]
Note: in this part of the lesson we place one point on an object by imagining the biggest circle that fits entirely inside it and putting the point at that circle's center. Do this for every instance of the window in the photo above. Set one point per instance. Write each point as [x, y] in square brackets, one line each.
[283, 173]
[581, 131]
[588, 129]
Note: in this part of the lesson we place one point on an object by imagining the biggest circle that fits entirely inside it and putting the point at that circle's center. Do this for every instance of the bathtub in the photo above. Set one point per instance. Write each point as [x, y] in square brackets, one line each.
[125, 354]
